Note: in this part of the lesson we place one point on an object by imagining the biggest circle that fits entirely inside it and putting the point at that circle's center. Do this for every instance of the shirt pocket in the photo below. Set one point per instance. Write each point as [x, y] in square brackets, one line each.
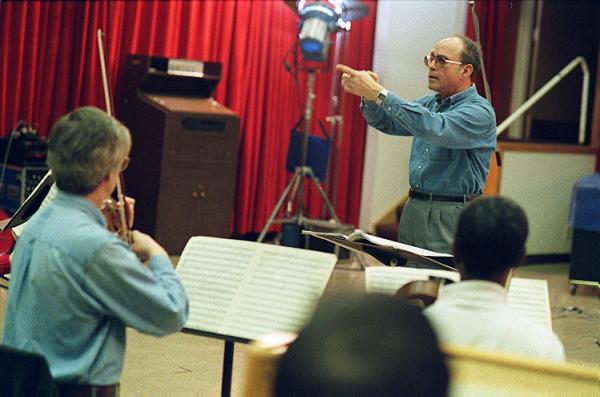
[442, 154]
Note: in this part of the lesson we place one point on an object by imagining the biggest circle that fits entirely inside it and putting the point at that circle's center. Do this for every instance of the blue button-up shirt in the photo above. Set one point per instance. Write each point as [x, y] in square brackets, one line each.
[454, 138]
[74, 287]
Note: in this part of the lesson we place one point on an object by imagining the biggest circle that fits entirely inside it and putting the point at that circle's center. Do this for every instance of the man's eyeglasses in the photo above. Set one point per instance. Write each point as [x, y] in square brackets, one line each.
[440, 60]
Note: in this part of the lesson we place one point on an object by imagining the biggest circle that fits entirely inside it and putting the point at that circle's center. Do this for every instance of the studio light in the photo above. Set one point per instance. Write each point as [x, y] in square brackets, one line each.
[318, 18]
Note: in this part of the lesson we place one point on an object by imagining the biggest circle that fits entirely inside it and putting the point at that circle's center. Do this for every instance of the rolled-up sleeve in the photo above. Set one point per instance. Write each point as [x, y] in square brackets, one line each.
[149, 299]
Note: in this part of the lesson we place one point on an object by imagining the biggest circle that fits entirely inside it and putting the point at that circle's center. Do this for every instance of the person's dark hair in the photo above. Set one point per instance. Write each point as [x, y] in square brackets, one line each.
[84, 146]
[490, 236]
[471, 53]
[373, 345]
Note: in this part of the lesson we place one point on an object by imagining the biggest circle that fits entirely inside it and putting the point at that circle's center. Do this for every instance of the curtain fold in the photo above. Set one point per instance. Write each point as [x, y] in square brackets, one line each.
[49, 66]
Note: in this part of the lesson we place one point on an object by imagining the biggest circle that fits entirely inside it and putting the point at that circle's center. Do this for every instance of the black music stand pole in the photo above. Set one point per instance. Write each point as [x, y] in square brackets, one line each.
[227, 368]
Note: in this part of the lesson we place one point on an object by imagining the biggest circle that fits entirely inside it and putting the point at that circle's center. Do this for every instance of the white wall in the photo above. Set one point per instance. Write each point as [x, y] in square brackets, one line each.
[405, 32]
[542, 183]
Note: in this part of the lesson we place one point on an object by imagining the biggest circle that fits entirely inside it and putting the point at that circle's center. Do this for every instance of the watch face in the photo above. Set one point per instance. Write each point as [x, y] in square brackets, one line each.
[380, 97]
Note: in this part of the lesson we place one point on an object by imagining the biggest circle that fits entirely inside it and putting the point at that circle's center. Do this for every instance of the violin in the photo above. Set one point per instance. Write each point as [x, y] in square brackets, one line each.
[111, 207]
[422, 293]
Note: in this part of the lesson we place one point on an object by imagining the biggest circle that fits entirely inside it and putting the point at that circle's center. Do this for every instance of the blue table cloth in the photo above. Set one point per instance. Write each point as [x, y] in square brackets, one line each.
[584, 213]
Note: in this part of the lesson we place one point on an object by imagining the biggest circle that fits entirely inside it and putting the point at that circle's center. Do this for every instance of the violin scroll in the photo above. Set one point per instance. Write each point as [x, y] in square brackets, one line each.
[112, 214]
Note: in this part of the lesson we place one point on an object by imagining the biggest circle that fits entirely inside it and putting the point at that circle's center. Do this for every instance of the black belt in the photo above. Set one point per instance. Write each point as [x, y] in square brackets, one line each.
[453, 198]
[74, 390]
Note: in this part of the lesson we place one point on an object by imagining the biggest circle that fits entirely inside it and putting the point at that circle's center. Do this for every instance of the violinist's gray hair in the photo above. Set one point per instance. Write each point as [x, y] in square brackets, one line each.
[84, 146]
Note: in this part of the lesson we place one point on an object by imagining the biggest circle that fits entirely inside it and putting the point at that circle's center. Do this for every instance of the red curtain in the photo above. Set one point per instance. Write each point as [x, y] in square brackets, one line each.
[49, 66]
[492, 17]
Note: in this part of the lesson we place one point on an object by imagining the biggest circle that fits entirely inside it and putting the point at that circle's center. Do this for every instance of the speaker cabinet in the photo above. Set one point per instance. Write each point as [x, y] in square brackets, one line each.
[183, 159]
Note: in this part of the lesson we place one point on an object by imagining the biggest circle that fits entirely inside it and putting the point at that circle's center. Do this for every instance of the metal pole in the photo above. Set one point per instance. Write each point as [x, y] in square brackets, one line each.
[227, 369]
[307, 117]
[336, 120]
[547, 87]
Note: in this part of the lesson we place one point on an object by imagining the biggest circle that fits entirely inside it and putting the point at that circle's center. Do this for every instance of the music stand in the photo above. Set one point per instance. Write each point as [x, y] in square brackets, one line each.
[30, 205]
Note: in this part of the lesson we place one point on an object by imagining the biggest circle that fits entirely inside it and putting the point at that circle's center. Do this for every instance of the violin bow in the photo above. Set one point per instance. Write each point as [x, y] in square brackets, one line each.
[123, 231]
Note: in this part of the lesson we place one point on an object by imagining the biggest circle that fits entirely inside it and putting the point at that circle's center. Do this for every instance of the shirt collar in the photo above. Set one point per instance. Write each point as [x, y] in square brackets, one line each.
[475, 290]
[458, 96]
[78, 202]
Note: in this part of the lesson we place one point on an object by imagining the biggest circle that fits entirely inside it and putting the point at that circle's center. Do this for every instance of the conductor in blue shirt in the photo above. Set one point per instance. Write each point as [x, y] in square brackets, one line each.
[74, 285]
[454, 136]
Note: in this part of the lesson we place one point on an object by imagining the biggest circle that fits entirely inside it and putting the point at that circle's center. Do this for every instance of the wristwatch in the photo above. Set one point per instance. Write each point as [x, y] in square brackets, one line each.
[381, 97]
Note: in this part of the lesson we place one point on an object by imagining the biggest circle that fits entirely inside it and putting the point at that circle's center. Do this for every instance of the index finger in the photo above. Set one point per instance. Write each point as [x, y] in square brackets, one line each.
[345, 69]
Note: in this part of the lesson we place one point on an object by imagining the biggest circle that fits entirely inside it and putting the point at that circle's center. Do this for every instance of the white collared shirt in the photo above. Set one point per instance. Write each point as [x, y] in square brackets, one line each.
[475, 313]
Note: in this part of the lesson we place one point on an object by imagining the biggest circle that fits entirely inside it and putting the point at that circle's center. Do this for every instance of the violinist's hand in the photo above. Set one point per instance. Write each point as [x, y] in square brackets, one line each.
[364, 83]
[145, 246]
[113, 220]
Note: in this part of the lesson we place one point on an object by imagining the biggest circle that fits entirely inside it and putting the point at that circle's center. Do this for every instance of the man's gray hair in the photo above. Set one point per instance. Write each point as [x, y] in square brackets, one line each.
[471, 53]
[84, 146]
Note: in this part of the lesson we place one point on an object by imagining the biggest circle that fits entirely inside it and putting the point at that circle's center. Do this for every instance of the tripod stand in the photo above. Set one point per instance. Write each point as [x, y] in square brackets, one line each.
[296, 184]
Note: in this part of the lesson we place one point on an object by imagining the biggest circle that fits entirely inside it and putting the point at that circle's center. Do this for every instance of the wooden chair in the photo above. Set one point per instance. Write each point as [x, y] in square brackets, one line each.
[25, 374]
[476, 372]
[263, 359]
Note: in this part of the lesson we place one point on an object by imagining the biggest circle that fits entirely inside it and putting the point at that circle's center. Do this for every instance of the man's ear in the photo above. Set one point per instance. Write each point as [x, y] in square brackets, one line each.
[521, 258]
[107, 179]
[466, 71]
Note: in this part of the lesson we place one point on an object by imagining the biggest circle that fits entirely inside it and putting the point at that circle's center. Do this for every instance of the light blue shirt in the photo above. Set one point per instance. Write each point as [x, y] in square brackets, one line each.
[74, 287]
[453, 140]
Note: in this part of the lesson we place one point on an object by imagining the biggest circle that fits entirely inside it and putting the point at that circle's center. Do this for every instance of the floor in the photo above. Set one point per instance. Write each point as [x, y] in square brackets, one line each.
[184, 364]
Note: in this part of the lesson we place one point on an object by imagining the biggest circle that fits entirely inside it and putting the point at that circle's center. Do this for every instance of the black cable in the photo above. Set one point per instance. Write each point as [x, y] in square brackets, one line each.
[293, 71]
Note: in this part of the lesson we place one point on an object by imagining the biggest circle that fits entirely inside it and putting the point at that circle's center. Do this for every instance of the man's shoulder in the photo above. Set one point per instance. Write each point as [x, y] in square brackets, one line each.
[536, 339]
[59, 225]
[480, 101]
[426, 100]
[497, 328]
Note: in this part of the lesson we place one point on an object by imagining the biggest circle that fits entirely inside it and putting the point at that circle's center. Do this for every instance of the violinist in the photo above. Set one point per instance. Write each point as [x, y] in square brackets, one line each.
[74, 285]
[489, 243]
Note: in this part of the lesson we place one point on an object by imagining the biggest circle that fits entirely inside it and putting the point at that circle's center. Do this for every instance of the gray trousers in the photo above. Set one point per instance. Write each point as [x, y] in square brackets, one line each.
[429, 224]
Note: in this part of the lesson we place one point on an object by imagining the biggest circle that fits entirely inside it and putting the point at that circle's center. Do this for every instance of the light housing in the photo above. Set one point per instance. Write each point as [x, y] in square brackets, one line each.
[317, 19]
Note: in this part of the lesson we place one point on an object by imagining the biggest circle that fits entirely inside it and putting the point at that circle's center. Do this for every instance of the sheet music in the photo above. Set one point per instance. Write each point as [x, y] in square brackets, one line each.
[529, 297]
[405, 247]
[17, 230]
[388, 280]
[246, 289]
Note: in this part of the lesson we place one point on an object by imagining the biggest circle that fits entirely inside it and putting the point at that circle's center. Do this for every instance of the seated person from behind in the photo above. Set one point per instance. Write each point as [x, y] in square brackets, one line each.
[489, 243]
[74, 285]
[370, 345]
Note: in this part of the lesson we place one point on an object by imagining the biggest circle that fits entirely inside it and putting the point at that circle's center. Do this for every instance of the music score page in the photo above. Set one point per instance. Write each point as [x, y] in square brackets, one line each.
[246, 289]
[529, 297]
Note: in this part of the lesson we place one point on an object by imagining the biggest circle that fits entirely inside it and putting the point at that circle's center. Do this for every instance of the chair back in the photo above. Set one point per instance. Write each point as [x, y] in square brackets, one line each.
[475, 372]
[25, 374]
[264, 355]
